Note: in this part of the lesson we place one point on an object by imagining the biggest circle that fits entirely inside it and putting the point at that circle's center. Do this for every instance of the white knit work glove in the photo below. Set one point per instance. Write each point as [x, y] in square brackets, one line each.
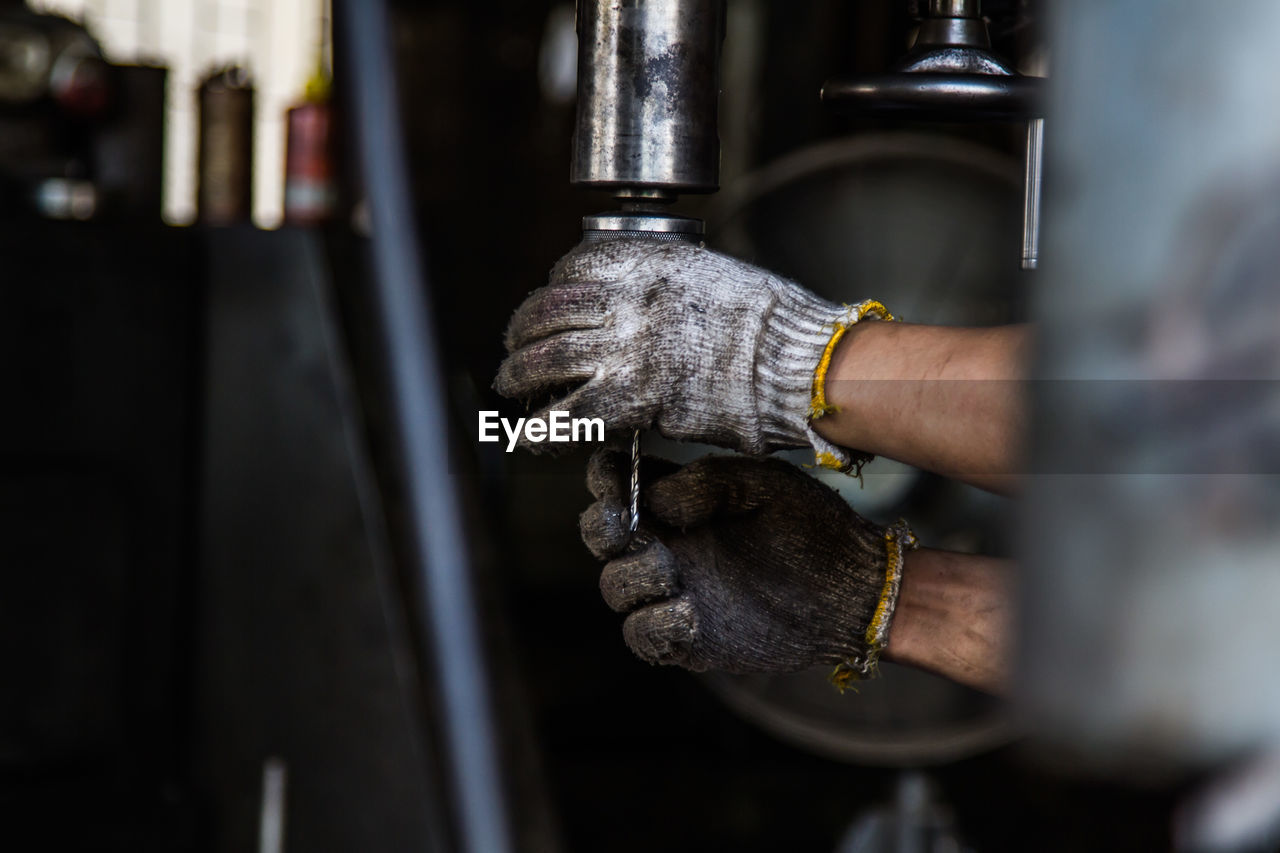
[673, 336]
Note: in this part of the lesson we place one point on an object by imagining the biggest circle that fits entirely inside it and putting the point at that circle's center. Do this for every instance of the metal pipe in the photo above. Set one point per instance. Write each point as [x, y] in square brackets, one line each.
[936, 95]
[953, 22]
[648, 93]
[1031, 206]
[955, 9]
[437, 560]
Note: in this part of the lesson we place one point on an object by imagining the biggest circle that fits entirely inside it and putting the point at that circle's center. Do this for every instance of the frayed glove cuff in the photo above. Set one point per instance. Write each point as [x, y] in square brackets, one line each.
[798, 340]
[898, 540]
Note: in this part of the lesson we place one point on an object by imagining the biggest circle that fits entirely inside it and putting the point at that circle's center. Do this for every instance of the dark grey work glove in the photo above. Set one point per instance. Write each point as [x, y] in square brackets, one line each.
[672, 336]
[743, 565]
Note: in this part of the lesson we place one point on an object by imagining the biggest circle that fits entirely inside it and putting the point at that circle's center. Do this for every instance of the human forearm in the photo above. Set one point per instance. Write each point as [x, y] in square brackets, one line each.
[945, 399]
[953, 617]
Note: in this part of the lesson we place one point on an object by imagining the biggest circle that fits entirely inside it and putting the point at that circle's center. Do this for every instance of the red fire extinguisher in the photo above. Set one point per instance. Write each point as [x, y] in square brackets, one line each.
[310, 186]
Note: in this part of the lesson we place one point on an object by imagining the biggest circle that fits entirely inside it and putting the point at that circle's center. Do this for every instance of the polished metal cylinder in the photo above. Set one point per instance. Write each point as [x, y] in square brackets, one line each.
[1031, 206]
[649, 225]
[648, 94]
[955, 9]
[954, 22]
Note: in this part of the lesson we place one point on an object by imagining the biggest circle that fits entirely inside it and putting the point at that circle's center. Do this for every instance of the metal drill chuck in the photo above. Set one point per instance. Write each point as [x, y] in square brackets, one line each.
[622, 224]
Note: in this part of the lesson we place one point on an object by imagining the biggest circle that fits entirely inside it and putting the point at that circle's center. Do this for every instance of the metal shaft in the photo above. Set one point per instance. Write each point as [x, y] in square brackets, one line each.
[648, 93]
[438, 563]
[955, 9]
[1031, 208]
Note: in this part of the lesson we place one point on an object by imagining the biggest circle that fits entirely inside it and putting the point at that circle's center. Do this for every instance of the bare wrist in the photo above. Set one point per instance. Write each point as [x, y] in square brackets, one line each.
[953, 618]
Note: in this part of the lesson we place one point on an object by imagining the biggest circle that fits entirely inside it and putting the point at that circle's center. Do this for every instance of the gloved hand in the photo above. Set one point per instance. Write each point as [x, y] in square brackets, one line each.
[678, 337]
[743, 565]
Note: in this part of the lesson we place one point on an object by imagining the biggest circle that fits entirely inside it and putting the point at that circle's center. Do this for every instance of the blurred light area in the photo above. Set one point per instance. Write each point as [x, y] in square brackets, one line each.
[1149, 626]
[558, 57]
[278, 41]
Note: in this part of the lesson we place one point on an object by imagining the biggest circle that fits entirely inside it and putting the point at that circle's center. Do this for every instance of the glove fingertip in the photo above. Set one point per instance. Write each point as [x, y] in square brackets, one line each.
[678, 500]
[662, 633]
[514, 335]
[638, 578]
[607, 471]
[511, 335]
[604, 529]
[504, 382]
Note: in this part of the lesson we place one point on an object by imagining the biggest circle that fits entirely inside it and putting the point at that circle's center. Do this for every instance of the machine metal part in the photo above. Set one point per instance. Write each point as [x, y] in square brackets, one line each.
[633, 518]
[954, 22]
[648, 89]
[638, 223]
[950, 74]
[941, 95]
[916, 821]
[437, 570]
[648, 94]
[1031, 199]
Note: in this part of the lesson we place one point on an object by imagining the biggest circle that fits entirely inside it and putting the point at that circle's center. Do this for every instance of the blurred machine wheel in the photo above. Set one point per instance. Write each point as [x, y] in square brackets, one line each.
[931, 225]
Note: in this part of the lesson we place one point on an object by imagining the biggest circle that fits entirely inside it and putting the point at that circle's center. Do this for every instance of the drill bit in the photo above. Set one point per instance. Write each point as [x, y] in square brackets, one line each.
[635, 482]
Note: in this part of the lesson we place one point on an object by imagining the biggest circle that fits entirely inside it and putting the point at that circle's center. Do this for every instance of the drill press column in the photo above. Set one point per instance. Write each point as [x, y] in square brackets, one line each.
[648, 92]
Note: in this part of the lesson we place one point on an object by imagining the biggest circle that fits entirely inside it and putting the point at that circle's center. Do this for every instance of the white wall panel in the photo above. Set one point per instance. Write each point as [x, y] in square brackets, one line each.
[277, 40]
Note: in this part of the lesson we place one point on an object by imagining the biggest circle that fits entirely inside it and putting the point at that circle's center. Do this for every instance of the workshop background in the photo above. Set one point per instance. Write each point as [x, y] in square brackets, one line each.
[211, 634]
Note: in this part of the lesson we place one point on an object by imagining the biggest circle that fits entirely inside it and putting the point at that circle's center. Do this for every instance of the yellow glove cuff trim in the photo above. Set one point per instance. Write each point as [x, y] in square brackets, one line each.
[818, 405]
[898, 539]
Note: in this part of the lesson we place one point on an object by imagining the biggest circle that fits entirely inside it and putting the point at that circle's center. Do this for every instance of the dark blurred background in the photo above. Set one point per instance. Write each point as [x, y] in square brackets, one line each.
[203, 623]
